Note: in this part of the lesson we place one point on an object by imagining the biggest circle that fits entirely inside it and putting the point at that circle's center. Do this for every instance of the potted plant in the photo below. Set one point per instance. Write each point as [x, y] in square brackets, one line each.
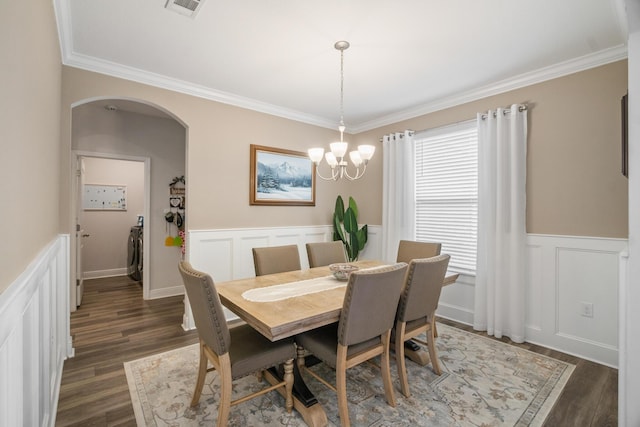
[345, 228]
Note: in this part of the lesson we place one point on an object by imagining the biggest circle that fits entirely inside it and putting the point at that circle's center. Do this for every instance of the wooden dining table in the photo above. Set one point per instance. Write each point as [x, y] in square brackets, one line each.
[288, 317]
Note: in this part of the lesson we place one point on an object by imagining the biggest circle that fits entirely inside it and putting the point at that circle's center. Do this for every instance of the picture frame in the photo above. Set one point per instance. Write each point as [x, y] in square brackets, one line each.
[280, 177]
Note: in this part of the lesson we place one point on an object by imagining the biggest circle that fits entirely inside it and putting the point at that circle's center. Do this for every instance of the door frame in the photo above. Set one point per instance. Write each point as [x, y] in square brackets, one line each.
[146, 279]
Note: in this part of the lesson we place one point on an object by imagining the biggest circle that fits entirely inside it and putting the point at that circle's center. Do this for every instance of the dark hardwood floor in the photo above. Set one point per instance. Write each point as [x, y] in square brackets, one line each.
[114, 325]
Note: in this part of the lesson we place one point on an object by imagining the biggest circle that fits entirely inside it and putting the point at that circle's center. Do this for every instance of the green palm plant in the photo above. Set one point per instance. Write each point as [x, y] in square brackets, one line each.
[345, 228]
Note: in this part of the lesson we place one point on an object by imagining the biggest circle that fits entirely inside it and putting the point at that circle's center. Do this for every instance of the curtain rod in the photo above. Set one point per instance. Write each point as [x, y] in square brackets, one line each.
[522, 107]
[411, 133]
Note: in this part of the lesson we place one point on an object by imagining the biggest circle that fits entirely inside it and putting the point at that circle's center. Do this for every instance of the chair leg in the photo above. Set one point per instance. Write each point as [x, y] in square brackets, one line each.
[400, 362]
[433, 354]
[288, 387]
[386, 370]
[341, 385]
[225, 390]
[202, 373]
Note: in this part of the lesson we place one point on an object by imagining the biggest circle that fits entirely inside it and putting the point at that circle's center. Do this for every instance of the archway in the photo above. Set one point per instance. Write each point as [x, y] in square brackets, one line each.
[130, 130]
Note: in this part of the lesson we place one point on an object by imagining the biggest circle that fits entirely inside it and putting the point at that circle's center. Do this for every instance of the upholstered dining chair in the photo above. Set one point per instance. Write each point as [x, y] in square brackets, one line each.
[417, 311]
[276, 259]
[234, 352]
[325, 253]
[363, 331]
[409, 249]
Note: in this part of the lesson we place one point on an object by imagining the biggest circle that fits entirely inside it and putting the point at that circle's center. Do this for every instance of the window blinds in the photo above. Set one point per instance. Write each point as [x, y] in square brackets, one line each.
[447, 192]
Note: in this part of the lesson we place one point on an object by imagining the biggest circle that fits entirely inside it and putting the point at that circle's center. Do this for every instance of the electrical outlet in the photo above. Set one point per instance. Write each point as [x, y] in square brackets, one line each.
[586, 309]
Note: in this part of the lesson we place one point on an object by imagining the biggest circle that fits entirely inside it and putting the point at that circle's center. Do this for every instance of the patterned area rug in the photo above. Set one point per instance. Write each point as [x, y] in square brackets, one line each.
[484, 383]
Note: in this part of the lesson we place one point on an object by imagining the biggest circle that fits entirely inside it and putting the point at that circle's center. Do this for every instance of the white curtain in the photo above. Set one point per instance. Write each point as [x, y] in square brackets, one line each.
[398, 192]
[501, 261]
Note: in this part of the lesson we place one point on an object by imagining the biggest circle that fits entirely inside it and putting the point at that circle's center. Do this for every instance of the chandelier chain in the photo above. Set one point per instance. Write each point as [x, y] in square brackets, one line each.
[342, 87]
[336, 158]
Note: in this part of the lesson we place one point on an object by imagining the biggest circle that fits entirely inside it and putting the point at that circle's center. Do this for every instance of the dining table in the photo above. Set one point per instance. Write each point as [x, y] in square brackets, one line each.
[285, 304]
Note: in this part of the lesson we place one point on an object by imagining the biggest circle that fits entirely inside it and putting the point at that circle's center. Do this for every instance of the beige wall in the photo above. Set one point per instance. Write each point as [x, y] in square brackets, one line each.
[29, 133]
[218, 139]
[106, 246]
[574, 184]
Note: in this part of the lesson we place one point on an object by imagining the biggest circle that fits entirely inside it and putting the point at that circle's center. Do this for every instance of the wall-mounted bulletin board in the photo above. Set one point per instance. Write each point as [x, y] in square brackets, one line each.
[104, 197]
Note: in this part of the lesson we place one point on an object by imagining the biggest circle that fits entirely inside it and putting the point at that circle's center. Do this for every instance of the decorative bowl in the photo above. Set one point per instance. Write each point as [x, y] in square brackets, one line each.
[341, 271]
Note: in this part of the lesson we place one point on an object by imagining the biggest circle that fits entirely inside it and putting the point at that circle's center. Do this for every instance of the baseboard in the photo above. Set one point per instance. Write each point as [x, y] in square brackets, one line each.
[609, 358]
[166, 292]
[97, 274]
[455, 313]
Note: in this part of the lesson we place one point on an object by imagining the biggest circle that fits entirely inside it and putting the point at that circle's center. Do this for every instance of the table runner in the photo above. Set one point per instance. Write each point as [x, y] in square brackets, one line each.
[292, 289]
[296, 289]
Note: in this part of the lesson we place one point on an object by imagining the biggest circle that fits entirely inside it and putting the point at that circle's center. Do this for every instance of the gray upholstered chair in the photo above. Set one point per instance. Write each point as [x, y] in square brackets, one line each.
[325, 253]
[417, 311]
[363, 332]
[276, 259]
[235, 352]
[409, 249]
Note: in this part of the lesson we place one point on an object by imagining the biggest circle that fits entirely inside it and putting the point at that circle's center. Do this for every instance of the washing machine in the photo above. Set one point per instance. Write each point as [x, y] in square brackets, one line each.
[134, 253]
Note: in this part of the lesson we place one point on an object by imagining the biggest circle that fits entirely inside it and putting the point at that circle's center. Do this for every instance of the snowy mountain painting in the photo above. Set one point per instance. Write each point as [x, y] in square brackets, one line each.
[283, 177]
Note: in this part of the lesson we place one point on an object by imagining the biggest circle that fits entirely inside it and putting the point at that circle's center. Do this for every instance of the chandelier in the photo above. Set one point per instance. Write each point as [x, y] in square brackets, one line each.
[336, 157]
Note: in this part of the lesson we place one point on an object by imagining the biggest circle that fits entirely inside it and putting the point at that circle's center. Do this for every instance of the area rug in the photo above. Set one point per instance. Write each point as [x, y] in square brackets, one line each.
[484, 383]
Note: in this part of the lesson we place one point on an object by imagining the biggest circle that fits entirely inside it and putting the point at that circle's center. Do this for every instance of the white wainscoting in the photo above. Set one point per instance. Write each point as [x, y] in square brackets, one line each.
[35, 338]
[563, 273]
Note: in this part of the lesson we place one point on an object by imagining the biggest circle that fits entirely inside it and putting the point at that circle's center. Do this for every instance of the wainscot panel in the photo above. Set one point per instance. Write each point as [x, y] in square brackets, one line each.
[573, 283]
[35, 338]
[571, 296]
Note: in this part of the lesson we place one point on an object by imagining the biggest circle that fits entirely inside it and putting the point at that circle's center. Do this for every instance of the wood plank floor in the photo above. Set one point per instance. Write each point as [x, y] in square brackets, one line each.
[114, 325]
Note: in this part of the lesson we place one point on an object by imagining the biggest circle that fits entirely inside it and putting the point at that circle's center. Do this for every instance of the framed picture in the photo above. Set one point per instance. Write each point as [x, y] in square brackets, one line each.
[281, 177]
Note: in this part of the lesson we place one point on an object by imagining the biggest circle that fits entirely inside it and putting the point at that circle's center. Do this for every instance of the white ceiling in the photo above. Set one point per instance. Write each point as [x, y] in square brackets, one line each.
[406, 57]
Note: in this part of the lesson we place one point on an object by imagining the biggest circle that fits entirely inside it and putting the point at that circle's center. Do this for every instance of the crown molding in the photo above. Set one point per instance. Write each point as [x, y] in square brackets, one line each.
[62, 14]
[73, 59]
[134, 74]
[582, 63]
[561, 69]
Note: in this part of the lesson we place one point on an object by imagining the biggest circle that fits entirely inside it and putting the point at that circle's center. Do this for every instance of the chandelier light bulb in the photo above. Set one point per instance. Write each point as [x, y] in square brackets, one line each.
[331, 159]
[355, 158]
[339, 149]
[366, 151]
[316, 154]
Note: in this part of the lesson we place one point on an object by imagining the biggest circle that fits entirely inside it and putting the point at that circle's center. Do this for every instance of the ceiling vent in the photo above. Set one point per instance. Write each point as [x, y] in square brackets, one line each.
[185, 7]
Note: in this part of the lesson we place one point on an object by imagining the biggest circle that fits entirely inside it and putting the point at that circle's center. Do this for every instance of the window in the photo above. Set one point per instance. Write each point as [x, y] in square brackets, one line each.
[447, 192]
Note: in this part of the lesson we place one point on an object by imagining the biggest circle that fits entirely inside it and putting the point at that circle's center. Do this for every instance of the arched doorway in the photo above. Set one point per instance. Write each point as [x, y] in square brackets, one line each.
[126, 130]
